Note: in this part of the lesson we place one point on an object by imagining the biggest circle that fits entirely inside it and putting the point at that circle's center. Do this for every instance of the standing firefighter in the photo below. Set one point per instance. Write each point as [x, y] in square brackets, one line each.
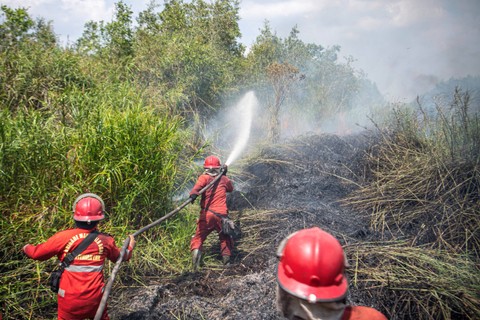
[213, 208]
[81, 284]
[311, 283]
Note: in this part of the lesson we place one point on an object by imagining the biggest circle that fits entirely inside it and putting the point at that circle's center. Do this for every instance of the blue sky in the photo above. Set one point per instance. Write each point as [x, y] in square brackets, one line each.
[404, 46]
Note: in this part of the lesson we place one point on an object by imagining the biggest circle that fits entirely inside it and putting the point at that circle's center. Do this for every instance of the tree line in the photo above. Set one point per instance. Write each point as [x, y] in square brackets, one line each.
[185, 58]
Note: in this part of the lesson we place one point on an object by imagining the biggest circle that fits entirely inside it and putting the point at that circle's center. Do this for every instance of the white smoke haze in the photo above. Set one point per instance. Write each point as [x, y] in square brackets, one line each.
[242, 125]
[394, 42]
[341, 123]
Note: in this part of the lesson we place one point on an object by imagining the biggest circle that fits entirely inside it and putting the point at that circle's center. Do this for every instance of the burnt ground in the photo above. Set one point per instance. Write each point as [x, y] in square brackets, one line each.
[282, 189]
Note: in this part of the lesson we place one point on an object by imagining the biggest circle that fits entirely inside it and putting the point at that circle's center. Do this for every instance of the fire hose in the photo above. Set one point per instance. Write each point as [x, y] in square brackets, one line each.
[116, 268]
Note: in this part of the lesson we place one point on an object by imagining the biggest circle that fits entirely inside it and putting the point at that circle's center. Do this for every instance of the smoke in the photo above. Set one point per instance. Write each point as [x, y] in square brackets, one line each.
[350, 113]
[341, 123]
[243, 124]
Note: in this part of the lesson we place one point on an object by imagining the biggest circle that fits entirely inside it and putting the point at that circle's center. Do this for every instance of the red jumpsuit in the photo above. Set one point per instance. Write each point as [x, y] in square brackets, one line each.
[81, 284]
[362, 313]
[214, 199]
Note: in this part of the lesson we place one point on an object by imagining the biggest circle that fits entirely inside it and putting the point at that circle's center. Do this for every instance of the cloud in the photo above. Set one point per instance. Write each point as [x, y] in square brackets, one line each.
[274, 9]
[66, 10]
[369, 23]
[69, 16]
[409, 12]
[86, 10]
[404, 46]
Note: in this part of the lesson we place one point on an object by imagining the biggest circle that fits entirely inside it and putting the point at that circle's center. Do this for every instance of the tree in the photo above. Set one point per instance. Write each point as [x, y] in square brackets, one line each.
[16, 27]
[188, 53]
[113, 40]
[119, 32]
[282, 77]
[329, 88]
[274, 69]
[33, 68]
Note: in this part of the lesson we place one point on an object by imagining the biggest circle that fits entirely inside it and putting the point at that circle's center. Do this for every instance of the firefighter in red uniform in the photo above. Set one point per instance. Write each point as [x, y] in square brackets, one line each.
[213, 205]
[311, 283]
[81, 284]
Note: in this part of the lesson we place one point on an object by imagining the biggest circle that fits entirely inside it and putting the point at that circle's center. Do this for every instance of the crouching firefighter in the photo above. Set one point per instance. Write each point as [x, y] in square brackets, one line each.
[311, 282]
[213, 207]
[81, 283]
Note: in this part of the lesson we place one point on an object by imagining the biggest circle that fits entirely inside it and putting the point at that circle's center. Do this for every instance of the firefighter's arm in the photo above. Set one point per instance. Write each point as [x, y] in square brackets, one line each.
[44, 251]
[229, 185]
[199, 185]
[202, 181]
[113, 252]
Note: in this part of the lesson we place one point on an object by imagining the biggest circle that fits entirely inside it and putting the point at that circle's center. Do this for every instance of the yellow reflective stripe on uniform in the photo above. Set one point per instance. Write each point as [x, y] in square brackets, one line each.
[90, 257]
[75, 268]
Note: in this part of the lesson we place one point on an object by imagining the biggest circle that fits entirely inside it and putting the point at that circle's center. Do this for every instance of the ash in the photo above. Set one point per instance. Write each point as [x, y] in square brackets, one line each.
[284, 188]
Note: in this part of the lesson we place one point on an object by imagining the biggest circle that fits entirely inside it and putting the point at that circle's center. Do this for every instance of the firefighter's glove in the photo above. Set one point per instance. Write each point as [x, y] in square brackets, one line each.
[225, 168]
[24, 249]
[193, 197]
[132, 243]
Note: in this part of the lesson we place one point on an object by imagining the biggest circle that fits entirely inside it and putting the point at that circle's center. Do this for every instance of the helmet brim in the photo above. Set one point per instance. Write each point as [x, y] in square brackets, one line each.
[309, 293]
[89, 218]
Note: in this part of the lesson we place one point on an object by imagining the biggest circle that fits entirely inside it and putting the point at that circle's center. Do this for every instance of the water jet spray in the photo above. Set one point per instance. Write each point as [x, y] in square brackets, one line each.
[245, 114]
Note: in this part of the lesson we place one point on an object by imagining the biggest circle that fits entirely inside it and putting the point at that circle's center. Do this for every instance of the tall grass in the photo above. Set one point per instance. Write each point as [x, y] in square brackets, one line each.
[423, 185]
[424, 176]
[416, 282]
[106, 141]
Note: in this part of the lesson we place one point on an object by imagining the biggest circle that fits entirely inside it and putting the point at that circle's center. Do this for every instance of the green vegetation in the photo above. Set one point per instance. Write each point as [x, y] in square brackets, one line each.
[70, 125]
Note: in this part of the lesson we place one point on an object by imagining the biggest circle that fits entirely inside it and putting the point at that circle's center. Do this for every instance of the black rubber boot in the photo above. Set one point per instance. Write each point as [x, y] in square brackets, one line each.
[226, 260]
[196, 257]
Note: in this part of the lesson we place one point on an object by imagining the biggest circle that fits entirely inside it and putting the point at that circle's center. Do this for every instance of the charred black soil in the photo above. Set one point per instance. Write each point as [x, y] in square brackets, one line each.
[284, 188]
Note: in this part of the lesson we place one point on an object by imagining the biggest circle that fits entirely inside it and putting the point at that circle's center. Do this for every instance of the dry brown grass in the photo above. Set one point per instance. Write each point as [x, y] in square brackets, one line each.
[416, 282]
[423, 186]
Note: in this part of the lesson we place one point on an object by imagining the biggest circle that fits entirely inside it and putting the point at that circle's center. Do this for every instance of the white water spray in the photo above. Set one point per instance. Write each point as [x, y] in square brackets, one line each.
[244, 109]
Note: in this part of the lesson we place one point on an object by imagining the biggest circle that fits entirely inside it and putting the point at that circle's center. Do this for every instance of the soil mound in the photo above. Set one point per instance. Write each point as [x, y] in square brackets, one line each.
[283, 189]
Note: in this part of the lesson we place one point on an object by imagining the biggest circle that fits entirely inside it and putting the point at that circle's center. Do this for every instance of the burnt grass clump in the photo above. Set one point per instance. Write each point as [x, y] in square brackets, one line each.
[283, 188]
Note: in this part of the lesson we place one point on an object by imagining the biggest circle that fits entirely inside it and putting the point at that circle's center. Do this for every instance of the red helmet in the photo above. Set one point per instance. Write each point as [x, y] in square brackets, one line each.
[312, 266]
[212, 162]
[88, 207]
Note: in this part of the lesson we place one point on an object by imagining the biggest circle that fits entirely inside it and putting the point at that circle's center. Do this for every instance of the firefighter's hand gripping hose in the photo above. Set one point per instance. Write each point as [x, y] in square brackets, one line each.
[116, 268]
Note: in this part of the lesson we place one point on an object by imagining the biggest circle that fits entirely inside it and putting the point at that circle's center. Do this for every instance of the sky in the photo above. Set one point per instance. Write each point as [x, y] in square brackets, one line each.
[404, 46]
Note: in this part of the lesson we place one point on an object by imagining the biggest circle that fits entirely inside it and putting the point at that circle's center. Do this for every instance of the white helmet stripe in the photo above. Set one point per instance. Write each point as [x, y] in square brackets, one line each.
[88, 195]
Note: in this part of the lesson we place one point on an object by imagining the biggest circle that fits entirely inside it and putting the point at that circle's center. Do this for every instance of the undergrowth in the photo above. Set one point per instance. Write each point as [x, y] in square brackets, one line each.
[109, 143]
[416, 282]
[422, 185]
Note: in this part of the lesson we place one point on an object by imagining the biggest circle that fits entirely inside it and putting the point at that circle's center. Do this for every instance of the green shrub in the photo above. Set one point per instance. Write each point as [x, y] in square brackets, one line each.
[112, 145]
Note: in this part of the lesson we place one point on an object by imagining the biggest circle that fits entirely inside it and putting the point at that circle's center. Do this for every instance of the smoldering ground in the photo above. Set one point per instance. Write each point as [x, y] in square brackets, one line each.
[279, 189]
[286, 187]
